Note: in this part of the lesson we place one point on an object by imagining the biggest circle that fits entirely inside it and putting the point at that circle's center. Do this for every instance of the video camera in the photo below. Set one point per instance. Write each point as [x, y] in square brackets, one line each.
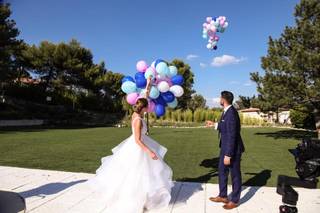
[307, 157]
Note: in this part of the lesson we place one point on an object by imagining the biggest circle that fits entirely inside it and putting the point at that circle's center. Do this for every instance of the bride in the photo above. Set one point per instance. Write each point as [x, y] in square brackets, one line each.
[135, 177]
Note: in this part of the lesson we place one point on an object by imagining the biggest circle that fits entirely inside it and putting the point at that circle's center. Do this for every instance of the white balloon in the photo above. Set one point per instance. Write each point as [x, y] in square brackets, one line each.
[225, 24]
[143, 92]
[153, 64]
[163, 86]
[177, 90]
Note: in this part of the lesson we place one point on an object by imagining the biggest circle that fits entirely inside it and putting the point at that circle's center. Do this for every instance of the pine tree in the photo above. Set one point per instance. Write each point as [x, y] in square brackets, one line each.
[292, 65]
[10, 45]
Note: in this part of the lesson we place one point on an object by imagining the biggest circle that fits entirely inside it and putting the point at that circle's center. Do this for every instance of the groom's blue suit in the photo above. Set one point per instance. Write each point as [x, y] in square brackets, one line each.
[231, 145]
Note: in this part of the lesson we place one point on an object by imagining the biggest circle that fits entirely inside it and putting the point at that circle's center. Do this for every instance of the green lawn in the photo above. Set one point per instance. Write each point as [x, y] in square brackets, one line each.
[192, 152]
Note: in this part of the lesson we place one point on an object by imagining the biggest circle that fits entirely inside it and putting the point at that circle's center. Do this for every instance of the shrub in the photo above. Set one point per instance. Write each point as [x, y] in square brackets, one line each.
[301, 117]
[210, 115]
[197, 115]
[187, 116]
[203, 113]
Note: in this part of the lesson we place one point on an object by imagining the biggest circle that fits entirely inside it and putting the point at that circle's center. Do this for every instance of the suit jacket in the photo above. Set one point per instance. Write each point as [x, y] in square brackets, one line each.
[229, 128]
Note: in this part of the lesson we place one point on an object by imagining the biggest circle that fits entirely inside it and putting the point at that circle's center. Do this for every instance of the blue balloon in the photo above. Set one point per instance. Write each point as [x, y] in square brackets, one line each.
[177, 80]
[149, 73]
[154, 92]
[157, 62]
[160, 110]
[129, 87]
[141, 82]
[162, 69]
[160, 101]
[173, 104]
[168, 97]
[172, 71]
[139, 75]
[127, 78]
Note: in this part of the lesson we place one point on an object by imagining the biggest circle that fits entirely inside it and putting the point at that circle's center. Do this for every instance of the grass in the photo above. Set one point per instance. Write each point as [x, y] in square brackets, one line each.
[192, 152]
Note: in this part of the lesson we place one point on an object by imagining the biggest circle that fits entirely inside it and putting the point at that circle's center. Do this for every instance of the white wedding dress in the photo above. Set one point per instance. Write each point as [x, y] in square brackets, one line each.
[130, 180]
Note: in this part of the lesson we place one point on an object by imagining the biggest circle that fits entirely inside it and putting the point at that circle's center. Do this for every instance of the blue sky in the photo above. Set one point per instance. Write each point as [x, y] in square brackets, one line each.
[121, 32]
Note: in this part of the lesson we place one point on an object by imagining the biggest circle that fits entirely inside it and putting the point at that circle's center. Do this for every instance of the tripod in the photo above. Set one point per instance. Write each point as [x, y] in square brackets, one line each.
[289, 195]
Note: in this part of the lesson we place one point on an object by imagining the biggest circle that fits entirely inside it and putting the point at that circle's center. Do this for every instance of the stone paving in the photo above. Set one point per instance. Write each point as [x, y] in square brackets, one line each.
[58, 192]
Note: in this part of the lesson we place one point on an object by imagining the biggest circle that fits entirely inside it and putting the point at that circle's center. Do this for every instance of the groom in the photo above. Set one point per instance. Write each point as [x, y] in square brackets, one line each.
[231, 149]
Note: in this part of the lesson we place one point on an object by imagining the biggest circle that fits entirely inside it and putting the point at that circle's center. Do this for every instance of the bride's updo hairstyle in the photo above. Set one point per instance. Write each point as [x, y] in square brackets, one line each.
[141, 103]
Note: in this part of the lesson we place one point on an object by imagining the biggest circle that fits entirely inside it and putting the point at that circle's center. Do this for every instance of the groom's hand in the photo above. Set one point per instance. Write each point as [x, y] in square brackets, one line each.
[226, 160]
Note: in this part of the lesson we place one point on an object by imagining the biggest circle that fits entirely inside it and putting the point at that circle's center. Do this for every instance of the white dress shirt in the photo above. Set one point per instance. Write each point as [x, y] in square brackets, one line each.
[224, 112]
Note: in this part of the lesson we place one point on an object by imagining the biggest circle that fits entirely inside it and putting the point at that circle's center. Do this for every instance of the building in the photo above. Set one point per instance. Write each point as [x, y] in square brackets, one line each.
[270, 117]
[251, 113]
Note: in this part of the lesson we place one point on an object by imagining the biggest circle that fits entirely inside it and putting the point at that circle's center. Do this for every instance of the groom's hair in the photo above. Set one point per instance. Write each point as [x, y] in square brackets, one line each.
[228, 96]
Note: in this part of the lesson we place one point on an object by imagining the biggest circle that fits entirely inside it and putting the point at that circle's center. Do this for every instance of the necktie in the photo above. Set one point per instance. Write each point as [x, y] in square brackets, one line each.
[221, 118]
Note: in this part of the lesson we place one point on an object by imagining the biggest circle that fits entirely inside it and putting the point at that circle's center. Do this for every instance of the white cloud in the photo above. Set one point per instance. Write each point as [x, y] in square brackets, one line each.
[224, 60]
[248, 84]
[203, 65]
[234, 82]
[213, 102]
[191, 57]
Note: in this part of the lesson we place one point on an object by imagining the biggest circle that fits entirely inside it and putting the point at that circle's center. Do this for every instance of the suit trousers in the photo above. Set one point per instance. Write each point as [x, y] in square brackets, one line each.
[236, 178]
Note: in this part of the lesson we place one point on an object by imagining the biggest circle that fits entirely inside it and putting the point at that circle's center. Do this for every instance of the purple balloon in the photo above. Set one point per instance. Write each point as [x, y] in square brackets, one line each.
[151, 106]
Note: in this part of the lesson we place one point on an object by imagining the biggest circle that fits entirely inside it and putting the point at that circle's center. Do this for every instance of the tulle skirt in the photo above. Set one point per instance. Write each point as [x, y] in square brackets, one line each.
[129, 180]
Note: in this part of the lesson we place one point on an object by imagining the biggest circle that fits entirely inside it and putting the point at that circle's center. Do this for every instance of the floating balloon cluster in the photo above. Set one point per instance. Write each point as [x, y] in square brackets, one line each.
[165, 88]
[210, 29]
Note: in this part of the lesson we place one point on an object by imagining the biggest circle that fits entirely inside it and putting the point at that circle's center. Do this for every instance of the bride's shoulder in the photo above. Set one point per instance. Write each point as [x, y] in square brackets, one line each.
[135, 118]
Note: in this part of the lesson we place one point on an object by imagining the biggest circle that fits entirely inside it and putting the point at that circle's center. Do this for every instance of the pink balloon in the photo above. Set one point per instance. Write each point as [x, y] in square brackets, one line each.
[132, 98]
[211, 34]
[209, 19]
[141, 66]
[154, 69]
[216, 38]
[221, 22]
[205, 25]
[213, 29]
[151, 106]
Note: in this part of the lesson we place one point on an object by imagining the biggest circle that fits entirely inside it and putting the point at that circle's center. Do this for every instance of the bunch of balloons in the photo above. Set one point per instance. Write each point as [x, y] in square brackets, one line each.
[210, 29]
[165, 89]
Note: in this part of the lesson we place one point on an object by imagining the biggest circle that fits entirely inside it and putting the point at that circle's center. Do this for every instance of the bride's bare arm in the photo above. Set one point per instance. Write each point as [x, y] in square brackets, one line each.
[137, 132]
[148, 87]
